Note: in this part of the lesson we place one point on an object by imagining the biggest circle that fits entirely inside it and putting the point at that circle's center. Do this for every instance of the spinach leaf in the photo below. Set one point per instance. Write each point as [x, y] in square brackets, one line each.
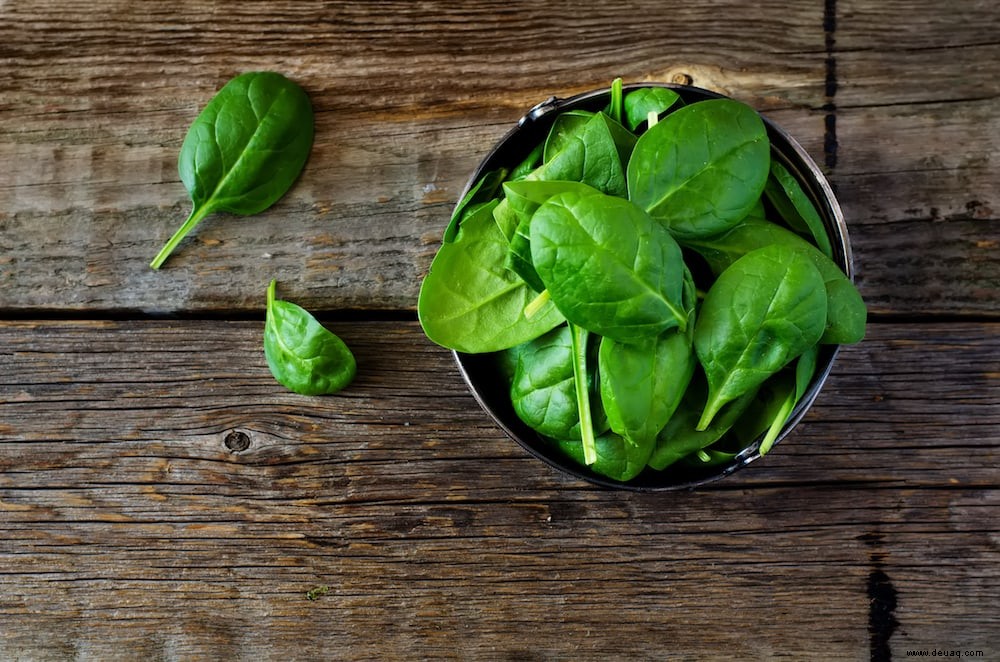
[795, 207]
[482, 192]
[702, 168]
[303, 356]
[608, 266]
[846, 312]
[543, 390]
[469, 302]
[786, 393]
[642, 383]
[543, 385]
[524, 198]
[680, 437]
[640, 103]
[565, 129]
[530, 162]
[244, 150]
[615, 458]
[761, 313]
[594, 153]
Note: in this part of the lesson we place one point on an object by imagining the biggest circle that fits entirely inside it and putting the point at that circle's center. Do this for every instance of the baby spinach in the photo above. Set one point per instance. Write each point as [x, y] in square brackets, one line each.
[640, 103]
[482, 192]
[579, 267]
[642, 383]
[303, 356]
[702, 169]
[795, 207]
[593, 153]
[761, 313]
[244, 150]
[614, 457]
[543, 390]
[469, 302]
[608, 266]
[846, 312]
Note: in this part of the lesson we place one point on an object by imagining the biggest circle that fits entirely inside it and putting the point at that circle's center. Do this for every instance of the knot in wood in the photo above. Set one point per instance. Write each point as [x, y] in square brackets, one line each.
[683, 79]
[237, 441]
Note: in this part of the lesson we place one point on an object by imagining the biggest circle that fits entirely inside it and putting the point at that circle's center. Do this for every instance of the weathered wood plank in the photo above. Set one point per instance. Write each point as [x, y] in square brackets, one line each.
[550, 574]
[916, 90]
[408, 96]
[128, 525]
[79, 399]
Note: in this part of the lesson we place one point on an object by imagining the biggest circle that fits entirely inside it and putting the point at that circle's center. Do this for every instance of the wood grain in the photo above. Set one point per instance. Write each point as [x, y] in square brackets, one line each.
[916, 127]
[409, 97]
[125, 512]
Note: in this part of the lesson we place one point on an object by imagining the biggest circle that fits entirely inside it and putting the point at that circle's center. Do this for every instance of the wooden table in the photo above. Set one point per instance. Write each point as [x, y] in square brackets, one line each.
[162, 498]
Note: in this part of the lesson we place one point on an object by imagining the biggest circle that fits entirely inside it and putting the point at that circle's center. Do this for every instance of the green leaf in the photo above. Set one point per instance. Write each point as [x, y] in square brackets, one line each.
[846, 313]
[543, 387]
[642, 383]
[608, 266]
[795, 207]
[566, 128]
[702, 169]
[244, 150]
[680, 437]
[481, 192]
[760, 314]
[593, 152]
[640, 103]
[304, 356]
[543, 390]
[615, 458]
[524, 198]
[469, 302]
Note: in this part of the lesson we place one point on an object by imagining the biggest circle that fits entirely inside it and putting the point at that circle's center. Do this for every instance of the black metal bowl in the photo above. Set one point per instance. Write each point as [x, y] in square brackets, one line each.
[482, 374]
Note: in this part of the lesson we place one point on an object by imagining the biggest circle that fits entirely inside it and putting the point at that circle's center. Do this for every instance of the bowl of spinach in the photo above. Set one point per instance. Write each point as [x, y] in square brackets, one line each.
[645, 286]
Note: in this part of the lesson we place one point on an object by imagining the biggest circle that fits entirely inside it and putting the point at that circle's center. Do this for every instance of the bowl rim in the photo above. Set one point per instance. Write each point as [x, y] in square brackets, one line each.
[821, 194]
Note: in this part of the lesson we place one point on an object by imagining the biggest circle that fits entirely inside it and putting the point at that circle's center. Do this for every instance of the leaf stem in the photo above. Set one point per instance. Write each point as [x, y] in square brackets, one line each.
[270, 293]
[579, 340]
[536, 304]
[616, 100]
[196, 215]
[778, 423]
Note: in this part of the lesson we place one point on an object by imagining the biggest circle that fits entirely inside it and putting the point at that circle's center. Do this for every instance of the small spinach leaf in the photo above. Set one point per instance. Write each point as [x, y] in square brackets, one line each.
[680, 437]
[593, 153]
[565, 129]
[481, 192]
[640, 103]
[543, 390]
[244, 150]
[795, 207]
[469, 302]
[304, 356]
[543, 386]
[702, 168]
[608, 266]
[643, 382]
[846, 312]
[761, 313]
[615, 458]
